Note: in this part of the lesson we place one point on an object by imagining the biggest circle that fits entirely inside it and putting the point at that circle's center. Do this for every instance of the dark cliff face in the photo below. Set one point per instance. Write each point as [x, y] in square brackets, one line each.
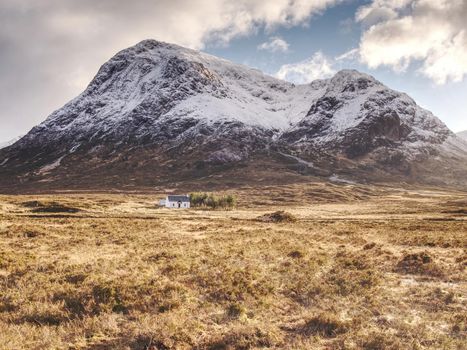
[157, 107]
[358, 115]
[383, 129]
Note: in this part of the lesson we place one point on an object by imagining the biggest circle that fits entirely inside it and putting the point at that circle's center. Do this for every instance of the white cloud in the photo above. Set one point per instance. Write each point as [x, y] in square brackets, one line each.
[380, 10]
[349, 55]
[316, 67]
[274, 44]
[431, 32]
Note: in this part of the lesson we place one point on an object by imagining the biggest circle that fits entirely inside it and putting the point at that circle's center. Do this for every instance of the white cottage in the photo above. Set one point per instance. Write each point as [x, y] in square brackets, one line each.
[176, 201]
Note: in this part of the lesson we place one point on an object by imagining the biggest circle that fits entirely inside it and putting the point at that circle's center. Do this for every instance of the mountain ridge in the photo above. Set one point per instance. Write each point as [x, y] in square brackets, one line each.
[10, 142]
[158, 107]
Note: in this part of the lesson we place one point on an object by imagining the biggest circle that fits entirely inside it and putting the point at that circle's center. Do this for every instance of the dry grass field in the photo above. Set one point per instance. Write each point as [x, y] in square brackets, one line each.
[345, 267]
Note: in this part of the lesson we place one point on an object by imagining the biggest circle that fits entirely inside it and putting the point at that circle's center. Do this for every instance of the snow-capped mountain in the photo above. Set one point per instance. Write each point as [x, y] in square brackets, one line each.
[163, 112]
[357, 114]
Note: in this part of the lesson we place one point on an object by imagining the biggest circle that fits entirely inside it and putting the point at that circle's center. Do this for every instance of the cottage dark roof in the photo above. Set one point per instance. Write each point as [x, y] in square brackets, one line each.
[181, 198]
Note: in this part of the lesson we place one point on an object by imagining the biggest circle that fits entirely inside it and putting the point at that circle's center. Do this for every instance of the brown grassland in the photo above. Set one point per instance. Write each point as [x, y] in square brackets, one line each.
[343, 267]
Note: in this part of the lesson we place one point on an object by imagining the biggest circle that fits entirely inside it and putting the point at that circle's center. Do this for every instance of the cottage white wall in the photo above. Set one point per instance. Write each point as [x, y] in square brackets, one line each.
[172, 205]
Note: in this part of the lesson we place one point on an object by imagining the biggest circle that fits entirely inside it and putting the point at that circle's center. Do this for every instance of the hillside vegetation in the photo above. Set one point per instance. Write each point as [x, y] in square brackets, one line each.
[211, 200]
[287, 270]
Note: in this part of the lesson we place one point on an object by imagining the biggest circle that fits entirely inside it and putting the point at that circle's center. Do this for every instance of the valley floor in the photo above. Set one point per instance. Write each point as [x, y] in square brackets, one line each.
[359, 268]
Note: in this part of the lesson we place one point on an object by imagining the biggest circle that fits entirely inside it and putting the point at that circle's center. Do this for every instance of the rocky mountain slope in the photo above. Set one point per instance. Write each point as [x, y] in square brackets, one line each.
[462, 135]
[9, 142]
[157, 113]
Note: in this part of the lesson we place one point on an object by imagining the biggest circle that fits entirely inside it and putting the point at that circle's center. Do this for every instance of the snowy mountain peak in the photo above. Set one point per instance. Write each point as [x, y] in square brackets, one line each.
[349, 80]
[148, 84]
[177, 103]
[352, 75]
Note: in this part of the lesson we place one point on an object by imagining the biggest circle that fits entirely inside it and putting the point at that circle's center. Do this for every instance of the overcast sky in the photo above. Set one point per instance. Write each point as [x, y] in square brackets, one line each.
[51, 49]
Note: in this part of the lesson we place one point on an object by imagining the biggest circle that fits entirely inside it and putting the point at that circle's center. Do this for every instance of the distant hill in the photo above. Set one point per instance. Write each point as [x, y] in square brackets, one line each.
[161, 114]
[462, 135]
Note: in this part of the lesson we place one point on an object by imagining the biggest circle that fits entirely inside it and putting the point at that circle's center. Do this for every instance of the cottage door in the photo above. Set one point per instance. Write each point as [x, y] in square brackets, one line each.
[179, 204]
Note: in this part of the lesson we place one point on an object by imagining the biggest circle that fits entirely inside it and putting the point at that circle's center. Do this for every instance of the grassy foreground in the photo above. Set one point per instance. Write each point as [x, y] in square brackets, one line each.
[352, 271]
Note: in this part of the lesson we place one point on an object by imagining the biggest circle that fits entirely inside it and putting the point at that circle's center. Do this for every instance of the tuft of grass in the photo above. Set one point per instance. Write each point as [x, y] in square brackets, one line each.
[369, 246]
[419, 264]
[381, 341]
[32, 234]
[326, 325]
[459, 325]
[352, 274]
[245, 337]
[236, 310]
[296, 254]
[277, 217]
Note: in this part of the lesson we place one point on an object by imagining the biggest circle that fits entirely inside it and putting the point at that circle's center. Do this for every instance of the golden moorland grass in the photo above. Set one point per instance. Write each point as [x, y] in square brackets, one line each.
[349, 268]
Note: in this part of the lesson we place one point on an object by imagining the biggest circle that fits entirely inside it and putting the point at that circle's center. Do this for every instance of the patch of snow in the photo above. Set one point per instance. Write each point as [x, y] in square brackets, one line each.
[49, 167]
[74, 148]
[253, 99]
[4, 161]
[336, 178]
[224, 156]
[299, 160]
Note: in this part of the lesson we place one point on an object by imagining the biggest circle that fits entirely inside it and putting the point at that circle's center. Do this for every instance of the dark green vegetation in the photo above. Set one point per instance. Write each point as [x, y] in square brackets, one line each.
[212, 200]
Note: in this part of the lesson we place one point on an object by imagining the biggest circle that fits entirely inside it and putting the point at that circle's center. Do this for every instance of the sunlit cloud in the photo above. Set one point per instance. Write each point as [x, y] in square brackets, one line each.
[316, 67]
[274, 44]
[432, 33]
